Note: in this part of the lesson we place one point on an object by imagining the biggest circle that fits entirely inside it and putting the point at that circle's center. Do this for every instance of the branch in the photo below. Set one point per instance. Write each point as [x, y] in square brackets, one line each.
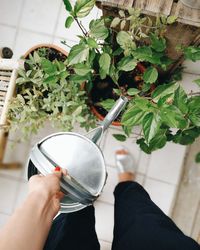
[84, 33]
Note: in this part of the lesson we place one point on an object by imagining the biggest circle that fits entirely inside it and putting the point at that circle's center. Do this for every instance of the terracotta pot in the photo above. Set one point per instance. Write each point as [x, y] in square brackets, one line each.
[45, 45]
[141, 68]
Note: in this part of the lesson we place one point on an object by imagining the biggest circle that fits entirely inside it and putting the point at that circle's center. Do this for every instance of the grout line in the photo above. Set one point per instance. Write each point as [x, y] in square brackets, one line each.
[4, 213]
[189, 73]
[106, 241]
[8, 25]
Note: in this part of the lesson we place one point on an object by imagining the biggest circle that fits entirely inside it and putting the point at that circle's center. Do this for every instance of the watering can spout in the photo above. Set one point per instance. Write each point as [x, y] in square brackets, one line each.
[110, 117]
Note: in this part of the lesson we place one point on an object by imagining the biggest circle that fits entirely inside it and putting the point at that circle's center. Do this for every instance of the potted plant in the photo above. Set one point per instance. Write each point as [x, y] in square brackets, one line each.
[127, 55]
[44, 92]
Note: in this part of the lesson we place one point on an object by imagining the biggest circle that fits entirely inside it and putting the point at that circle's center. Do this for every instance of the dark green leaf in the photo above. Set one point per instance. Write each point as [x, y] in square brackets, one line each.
[92, 43]
[192, 53]
[194, 110]
[120, 137]
[78, 53]
[127, 63]
[98, 29]
[164, 90]
[104, 64]
[158, 44]
[82, 69]
[51, 80]
[197, 158]
[83, 7]
[48, 66]
[133, 116]
[144, 104]
[69, 21]
[151, 124]
[67, 4]
[150, 75]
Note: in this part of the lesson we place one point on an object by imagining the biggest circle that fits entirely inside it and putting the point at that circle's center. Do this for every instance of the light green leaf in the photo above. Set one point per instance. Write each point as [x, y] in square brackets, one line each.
[78, 53]
[192, 53]
[180, 100]
[67, 4]
[125, 40]
[82, 69]
[133, 116]
[127, 63]
[83, 7]
[150, 75]
[158, 44]
[120, 137]
[194, 110]
[117, 91]
[98, 29]
[133, 91]
[151, 125]
[36, 57]
[197, 81]
[107, 104]
[69, 21]
[171, 19]
[48, 66]
[104, 63]
[164, 90]
[92, 43]
[115, 22]
[173, 117]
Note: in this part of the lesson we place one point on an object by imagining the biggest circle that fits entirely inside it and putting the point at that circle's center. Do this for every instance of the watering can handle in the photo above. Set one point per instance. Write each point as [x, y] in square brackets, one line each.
[114, 112]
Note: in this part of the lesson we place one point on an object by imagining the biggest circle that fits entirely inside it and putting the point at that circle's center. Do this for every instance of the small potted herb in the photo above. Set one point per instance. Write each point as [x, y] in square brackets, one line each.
[44, 92]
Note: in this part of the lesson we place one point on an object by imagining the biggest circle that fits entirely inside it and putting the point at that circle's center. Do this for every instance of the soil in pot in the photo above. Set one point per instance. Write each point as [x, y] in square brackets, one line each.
[104, 89]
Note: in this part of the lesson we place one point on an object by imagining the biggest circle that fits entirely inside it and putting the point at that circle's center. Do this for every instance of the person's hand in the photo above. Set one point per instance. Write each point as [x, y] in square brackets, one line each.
[47, 189]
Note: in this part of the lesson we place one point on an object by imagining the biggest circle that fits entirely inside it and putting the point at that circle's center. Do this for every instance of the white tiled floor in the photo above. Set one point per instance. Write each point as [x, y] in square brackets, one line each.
[24, 23]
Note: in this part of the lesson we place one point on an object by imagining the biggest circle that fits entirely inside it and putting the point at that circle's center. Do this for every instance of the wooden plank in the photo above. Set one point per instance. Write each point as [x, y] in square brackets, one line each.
[120, 4]
[154, 6]
[186, 15]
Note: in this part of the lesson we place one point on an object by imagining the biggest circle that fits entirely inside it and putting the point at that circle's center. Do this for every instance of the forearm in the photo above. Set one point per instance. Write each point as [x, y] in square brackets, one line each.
[28, 227]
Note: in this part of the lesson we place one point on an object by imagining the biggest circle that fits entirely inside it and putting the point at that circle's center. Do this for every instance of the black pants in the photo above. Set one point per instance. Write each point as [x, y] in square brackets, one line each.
[139, 225]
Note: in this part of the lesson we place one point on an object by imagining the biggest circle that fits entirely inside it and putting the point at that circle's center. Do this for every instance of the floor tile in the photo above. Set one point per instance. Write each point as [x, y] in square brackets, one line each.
[7, 36]
[40, 15]
[191, 67]
[3, 219]
[105, 245]
[71, 34]
[57, 41]
[188, 82]
[143, 162]
[166, 164]
[111, 144]
[8, 192]
[10, 11]
[161, 193]
[104, 221]
[26, 39]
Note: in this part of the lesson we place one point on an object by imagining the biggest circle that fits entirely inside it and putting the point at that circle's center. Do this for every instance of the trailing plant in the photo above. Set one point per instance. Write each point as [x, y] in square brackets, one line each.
[45, 91]
[114, 46]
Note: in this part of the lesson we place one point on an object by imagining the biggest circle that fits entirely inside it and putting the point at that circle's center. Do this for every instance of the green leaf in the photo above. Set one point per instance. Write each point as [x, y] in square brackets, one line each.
[98, 29]
[104, 64]
[197, 81]
[107, 104]
[150, 75]
[69, 21]
[192, 53]
[142, 53]
[132, 91]
[180, 100]
[120, 137]
[83, 7]
[127, 64]
[78, 53]
[133, 116]
[194, 110]
[92, 43]
[115, 22]
[171, 19]
[173, 117]
[158, 44]
[36, 57]
[82, 69]
[125, 40]
[51, 80]
[186, 136]
[164, 90]
[151, 124]
[197, 158]
[67, 4]
[144, 104]
[48, 66]
[117, 91]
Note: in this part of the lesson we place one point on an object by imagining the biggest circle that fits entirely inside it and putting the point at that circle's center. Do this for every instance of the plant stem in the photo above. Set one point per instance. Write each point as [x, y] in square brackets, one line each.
[84, 33]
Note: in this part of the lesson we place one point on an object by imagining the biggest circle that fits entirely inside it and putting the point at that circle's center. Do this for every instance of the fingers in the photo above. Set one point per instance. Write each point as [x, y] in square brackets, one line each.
[58, 171]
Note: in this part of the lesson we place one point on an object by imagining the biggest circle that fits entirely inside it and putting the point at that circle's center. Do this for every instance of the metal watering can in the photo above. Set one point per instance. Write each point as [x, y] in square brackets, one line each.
[80, 156]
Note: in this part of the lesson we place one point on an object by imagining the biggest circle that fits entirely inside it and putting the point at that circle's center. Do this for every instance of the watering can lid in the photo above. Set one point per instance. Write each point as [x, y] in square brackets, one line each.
[77, 154]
